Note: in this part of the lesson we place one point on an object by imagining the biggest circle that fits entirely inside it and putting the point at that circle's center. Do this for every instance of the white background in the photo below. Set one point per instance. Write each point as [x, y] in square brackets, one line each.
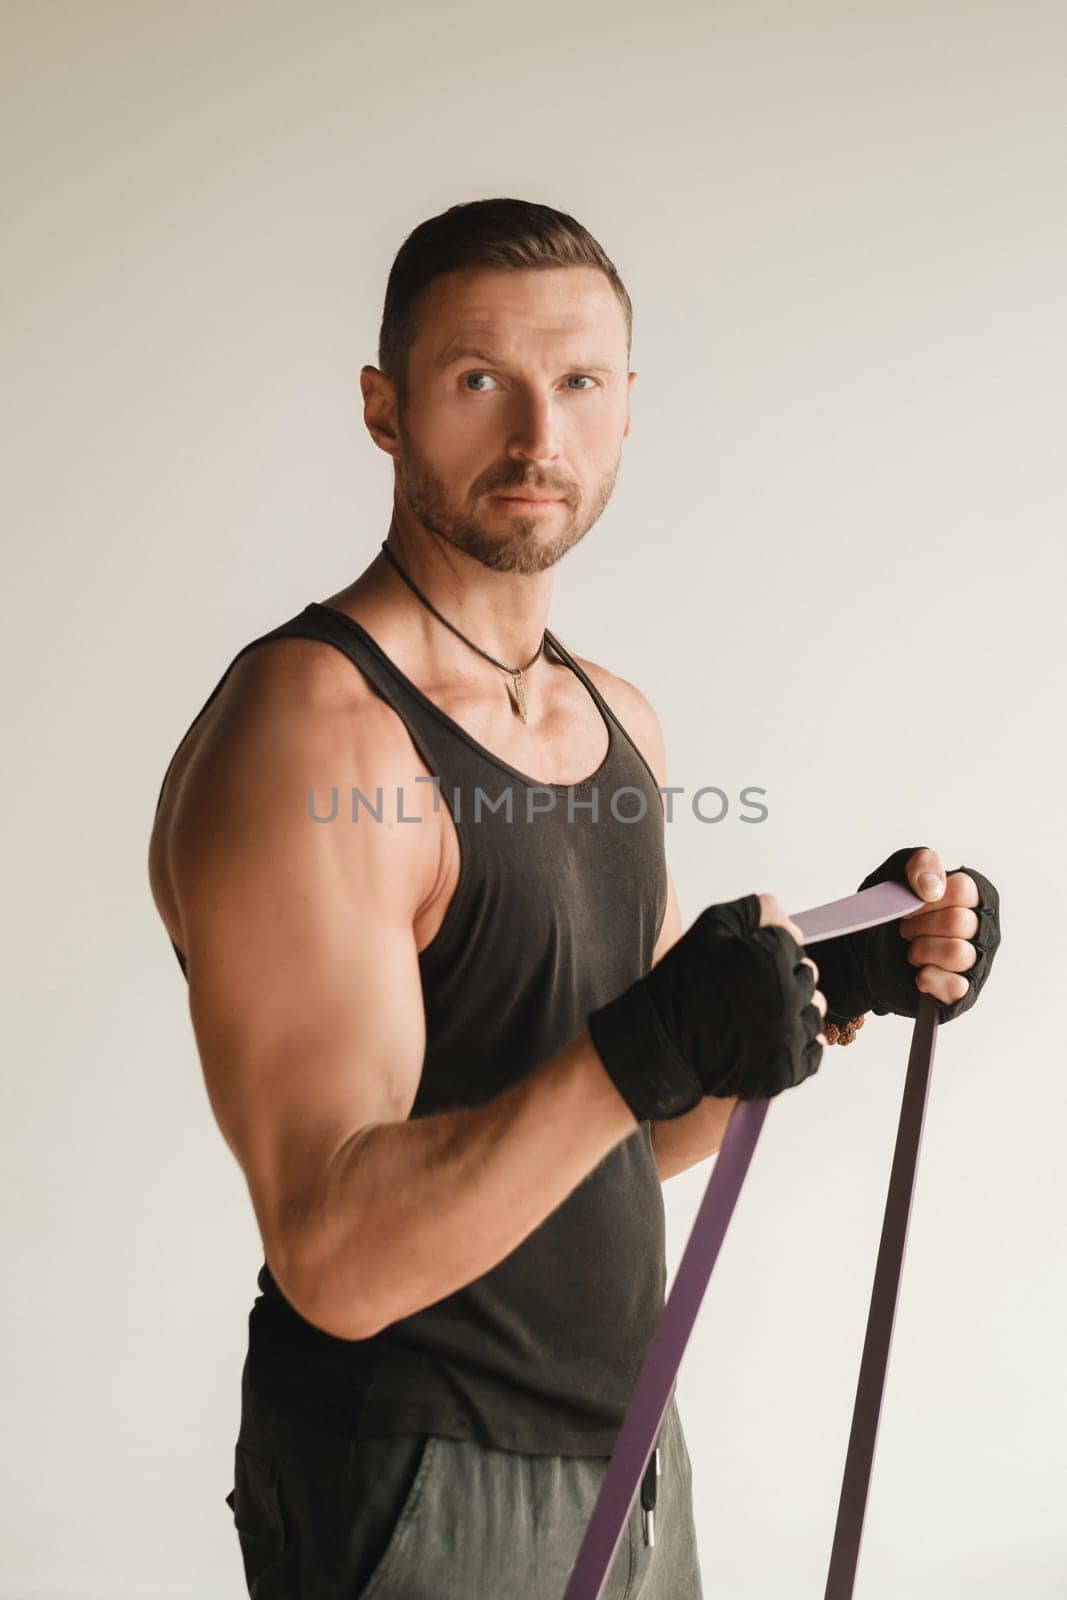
[833, 561]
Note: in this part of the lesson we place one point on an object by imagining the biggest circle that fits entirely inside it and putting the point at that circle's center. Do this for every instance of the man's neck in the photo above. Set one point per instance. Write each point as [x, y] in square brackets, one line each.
[503, 613]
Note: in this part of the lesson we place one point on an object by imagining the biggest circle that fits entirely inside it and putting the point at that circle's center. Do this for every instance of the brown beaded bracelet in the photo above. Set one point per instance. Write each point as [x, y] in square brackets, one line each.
[844, 1034]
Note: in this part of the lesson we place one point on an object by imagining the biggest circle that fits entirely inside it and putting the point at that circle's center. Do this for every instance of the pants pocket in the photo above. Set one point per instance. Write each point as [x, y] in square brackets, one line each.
[257, 1513]
[402, 1528]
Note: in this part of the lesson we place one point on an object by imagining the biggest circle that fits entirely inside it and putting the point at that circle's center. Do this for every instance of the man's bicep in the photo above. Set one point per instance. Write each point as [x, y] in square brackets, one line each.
[304, 992]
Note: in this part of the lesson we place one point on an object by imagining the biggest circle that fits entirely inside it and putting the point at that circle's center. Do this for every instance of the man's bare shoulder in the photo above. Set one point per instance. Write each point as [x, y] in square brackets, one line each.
[295, 729]
[305, 677]
[297, 696]
[634, 710]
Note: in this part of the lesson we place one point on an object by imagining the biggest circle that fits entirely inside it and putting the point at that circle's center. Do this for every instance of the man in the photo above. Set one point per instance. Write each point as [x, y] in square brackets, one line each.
[411, 856]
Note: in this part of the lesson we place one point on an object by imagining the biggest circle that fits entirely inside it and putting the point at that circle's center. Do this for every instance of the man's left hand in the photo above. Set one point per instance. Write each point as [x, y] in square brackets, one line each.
[939, 936]
[951, 942]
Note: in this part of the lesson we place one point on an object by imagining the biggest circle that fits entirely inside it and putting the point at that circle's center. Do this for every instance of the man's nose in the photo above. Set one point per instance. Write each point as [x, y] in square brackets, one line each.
[534, 428]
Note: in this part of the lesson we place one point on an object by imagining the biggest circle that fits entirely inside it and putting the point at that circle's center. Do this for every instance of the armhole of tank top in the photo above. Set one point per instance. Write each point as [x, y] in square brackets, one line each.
[605, 709]
[323, 635]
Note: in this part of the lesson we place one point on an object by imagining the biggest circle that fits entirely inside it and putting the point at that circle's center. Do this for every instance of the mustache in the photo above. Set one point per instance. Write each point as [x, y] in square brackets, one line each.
[518, 478]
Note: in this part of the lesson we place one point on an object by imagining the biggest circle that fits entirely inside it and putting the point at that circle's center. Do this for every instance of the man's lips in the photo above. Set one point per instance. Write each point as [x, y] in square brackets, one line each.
[531, 499]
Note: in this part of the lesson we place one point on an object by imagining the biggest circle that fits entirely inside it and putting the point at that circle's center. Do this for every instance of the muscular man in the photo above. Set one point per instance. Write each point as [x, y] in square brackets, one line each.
[410, 855]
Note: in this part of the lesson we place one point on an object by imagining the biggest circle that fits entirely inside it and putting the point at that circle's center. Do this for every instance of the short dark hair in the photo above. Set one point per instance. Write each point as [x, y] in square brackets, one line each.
[503, 235]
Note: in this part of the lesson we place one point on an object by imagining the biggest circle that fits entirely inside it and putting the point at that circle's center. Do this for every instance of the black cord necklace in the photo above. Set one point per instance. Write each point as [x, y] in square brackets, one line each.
[515, 673]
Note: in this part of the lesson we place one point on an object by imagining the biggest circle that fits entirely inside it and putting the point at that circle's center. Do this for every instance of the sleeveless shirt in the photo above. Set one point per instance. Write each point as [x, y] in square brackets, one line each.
[557, 909]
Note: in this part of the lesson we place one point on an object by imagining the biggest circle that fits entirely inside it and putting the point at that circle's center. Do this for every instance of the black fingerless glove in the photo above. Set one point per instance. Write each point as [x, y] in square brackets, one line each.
[727, 1011]
[870, 970]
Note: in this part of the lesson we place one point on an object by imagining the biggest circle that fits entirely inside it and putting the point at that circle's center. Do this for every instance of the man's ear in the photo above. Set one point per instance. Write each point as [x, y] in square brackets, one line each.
[380, 409]
[631, 380]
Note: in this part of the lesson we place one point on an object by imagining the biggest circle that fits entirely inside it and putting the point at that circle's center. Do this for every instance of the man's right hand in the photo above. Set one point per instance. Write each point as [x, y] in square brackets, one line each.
[730, 1010]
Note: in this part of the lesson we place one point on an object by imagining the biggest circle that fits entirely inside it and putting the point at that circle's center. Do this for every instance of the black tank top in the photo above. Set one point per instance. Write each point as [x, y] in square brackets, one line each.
[556, 910]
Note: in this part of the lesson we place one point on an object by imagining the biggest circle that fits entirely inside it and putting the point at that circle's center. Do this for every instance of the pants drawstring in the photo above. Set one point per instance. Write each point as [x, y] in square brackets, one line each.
[648, 1497]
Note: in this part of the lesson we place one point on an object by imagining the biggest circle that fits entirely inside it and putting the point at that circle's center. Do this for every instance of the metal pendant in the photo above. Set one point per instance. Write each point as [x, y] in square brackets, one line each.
[520, 693]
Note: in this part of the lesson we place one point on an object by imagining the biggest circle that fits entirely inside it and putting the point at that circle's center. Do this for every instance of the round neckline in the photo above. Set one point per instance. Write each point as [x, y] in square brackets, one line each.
[462, 733]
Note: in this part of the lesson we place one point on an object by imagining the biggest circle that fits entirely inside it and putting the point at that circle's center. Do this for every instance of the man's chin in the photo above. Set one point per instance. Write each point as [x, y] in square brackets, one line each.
[525, 546]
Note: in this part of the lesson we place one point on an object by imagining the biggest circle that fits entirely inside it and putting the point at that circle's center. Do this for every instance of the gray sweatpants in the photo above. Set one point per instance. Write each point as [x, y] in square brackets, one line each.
[424, 1517]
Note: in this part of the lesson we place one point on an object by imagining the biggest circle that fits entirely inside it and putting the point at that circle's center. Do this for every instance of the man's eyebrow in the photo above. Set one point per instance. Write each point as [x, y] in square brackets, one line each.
[470, 352]
[453, 352]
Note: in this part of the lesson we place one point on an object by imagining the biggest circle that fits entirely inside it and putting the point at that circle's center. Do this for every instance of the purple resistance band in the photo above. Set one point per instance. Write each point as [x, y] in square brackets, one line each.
[651, 1395]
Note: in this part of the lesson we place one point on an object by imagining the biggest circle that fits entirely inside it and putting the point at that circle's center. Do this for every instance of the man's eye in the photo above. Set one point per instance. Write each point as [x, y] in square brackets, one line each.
[469, 377]
[581, 377]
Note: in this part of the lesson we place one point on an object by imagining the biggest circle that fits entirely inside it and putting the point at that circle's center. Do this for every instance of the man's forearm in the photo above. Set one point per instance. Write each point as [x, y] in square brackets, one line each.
[683, 1141]
[411, 1211]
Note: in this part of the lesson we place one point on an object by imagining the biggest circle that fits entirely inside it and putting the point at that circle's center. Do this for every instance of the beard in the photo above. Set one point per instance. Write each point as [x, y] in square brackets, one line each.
[526, 547]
